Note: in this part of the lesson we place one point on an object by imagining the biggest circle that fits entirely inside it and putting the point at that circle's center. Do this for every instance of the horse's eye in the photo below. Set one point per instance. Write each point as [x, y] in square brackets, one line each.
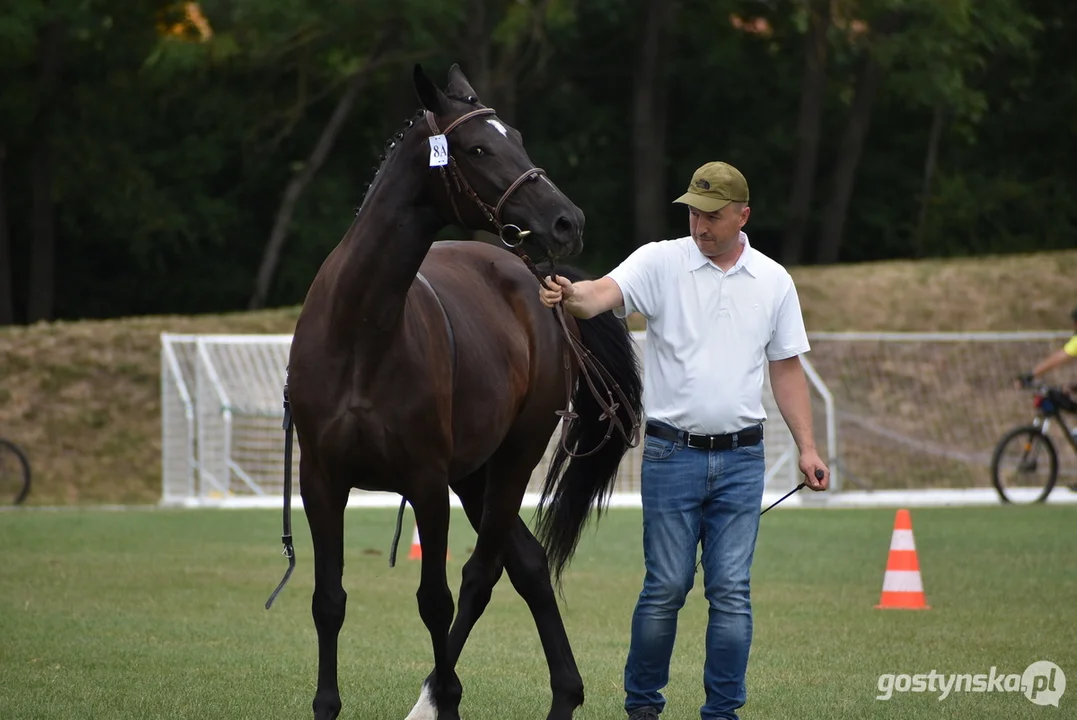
[476, 151]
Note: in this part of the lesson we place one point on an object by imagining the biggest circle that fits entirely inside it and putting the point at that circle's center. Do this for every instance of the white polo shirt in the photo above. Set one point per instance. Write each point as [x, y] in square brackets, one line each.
[709, 332]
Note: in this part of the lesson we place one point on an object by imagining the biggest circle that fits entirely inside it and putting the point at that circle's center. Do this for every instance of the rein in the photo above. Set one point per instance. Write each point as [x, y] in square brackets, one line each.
[610, 397]
[590, 369]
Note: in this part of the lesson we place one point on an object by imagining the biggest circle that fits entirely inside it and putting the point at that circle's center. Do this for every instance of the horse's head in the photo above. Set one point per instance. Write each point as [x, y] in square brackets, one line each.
[489, 182]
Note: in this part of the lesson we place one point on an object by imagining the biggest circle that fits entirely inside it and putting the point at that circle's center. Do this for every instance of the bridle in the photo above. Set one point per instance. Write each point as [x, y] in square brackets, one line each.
[510, 235]
[611, 397]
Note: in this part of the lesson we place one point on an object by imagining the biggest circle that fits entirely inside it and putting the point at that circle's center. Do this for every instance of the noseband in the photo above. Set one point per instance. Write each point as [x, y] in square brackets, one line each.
[511, 235]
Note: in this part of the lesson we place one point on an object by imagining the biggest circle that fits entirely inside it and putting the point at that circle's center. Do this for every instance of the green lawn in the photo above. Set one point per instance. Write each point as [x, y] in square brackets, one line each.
[159, 614]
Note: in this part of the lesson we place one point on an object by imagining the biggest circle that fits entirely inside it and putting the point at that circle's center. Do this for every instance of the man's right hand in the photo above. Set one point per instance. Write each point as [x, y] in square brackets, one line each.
[555, 290]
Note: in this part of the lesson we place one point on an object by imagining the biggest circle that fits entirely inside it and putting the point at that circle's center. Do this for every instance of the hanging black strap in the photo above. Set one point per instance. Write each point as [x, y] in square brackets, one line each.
[286, 538]
[396, 534]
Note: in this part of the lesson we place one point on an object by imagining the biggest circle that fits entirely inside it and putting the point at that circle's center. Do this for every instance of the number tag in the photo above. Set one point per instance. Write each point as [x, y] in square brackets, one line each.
[439, 151]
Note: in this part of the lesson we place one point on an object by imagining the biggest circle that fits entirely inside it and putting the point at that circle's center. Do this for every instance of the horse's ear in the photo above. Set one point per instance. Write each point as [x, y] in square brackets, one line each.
[459, 85]
[432, 99]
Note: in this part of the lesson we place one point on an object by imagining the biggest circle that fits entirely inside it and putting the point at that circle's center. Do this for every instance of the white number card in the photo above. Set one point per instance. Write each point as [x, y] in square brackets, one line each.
[439, 151]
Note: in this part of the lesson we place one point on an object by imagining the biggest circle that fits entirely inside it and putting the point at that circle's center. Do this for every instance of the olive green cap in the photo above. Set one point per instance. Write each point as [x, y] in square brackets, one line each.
[714, 186]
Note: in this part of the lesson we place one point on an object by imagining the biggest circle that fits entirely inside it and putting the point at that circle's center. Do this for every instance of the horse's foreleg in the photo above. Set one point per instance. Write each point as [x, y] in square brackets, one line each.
[325, 514]
[530, 575]
[492, 511]
[440, 697]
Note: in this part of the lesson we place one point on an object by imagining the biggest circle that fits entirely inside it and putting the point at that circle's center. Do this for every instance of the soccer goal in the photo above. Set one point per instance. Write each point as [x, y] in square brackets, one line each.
[923, 411]
[222, 440]
[222, 413]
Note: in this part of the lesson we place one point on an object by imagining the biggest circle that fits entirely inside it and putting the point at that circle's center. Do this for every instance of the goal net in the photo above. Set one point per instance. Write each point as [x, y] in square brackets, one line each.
[222, 440]
[222, 413]
[925, 410]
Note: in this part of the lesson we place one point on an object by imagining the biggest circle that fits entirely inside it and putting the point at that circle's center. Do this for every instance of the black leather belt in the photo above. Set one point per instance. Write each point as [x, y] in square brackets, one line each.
[741, 438]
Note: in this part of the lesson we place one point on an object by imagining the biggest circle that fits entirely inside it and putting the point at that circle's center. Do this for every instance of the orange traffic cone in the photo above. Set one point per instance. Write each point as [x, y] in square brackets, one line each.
[416, 552]
[902, 585]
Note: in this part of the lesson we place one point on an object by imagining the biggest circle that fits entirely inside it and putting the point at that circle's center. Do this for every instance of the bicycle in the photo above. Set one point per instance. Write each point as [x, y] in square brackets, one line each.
[14, 472]
[1016, 481]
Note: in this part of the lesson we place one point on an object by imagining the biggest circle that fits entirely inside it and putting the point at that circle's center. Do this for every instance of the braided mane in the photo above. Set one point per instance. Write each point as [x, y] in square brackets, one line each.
[393, 141]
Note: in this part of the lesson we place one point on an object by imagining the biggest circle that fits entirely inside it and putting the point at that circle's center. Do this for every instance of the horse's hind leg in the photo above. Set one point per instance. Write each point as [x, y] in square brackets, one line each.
[529, 573]
[505, 542]
[441, 693]
[324, 507]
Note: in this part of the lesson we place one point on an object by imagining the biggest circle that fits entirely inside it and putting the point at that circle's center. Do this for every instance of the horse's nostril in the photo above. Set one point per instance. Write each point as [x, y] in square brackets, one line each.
[564, 225]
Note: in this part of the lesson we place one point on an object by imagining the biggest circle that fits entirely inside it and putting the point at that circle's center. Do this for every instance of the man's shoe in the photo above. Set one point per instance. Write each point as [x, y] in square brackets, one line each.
[647, 712]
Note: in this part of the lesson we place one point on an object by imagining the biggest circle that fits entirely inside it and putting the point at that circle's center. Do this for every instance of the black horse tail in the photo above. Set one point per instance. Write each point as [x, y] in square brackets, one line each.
[575, 485]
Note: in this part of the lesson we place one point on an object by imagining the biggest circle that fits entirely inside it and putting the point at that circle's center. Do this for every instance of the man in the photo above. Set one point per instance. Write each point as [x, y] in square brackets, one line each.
[1058, 358]
[716, 309]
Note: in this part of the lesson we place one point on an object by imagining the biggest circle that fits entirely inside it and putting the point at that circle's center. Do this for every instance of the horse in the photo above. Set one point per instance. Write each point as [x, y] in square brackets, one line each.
[417, 367]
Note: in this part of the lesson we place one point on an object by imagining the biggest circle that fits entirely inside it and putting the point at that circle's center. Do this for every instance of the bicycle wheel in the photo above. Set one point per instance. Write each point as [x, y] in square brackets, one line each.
[14, 473]
[1024, 466]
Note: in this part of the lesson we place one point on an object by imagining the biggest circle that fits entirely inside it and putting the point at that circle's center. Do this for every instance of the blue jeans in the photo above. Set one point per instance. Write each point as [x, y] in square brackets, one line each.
[690, 497]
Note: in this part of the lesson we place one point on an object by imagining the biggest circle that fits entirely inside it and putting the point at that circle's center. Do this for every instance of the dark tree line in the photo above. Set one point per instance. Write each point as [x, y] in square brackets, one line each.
[162, 157]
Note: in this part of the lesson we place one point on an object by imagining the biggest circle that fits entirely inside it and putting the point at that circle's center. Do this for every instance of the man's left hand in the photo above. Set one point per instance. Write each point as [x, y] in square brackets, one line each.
[809, 463]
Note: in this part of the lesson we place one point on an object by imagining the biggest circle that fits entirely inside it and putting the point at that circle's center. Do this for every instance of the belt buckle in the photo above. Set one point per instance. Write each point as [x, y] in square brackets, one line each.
[702, 441]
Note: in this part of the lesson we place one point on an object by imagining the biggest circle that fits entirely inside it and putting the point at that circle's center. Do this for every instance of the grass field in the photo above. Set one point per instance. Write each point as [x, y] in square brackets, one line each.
[159, 614]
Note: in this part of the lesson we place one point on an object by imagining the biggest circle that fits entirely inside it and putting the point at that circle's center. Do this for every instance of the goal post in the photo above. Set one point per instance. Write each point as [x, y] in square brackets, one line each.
[908, 418]
[222, 441]
[222, 410]
[178, 466]
[925, 410]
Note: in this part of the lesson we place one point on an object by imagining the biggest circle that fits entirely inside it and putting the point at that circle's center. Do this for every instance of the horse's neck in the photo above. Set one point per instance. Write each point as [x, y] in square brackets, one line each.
[382, 252]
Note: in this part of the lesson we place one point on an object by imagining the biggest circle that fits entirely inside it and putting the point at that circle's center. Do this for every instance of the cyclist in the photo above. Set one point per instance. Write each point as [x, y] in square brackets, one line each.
[1056, 359]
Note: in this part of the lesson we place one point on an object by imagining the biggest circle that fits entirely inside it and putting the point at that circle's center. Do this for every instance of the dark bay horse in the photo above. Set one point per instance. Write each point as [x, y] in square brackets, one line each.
[417, 368]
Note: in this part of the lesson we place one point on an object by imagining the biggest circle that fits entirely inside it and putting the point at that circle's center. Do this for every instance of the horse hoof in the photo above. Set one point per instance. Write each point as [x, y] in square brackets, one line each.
[424, 709]
[326, 713]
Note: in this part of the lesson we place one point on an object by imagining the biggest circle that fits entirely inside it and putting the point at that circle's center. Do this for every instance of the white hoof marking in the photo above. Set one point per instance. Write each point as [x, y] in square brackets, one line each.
[424, 709]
